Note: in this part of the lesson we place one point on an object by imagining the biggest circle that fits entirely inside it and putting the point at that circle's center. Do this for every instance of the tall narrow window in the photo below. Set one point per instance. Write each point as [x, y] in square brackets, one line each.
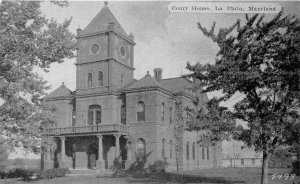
[242, 161]
[194, 151]
[203, 152]
[162, 110]
[171, 149]
[141, 149]
[123, 114]
[74, 115]
[140, 111]
[187, 150]
[94, 114]
[100, 78]
[207, 152]
[122, 79]
[90, 80]
[163, 151]
[171, 114]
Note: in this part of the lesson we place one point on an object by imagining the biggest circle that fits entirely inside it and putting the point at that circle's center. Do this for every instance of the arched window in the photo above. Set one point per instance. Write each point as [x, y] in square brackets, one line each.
[171, 115]
[94, 114]
[140, 111]
[171, 149]
[163, 151]
[141, 149]
[90, 80]
[187, 150]
[162, 110]
[100, 78]
[207, 152]
[203, 152]
[194, 151]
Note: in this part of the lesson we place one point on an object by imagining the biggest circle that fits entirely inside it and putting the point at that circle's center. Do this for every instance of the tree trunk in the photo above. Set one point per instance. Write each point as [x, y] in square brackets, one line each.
[265, 168]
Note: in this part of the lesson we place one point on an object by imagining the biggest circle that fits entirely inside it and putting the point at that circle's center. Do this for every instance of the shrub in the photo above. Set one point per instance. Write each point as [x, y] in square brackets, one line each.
[282, 158]
[158, 167]
[53, 173]
[3, 171]
[296, 167]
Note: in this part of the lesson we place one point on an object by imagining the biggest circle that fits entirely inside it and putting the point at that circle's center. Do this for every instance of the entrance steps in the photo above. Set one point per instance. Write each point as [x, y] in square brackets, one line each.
[77, 172]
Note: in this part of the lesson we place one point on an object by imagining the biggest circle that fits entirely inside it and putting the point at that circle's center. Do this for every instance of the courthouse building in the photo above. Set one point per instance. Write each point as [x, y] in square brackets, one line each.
[112, 115]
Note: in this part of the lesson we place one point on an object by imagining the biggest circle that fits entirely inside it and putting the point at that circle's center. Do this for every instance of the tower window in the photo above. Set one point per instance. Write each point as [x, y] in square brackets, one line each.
[122, 51]
[95, 48]
[100, 78]
[122, 78]
[90, 80]
[140, 111]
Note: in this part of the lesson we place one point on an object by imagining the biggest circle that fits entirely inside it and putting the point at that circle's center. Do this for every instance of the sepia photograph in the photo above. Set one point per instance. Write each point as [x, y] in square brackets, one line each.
[149, 92]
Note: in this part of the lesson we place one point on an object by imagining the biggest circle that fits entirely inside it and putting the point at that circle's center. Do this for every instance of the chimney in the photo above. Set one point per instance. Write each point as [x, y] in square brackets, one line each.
[158, 74]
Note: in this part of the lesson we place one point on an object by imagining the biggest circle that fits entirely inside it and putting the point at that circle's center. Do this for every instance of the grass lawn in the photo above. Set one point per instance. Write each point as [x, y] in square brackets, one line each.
[205, 176]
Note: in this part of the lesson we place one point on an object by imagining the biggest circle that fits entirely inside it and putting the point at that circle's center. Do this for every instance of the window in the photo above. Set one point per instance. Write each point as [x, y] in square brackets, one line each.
[171, 114]
[162, 110]
[74, 116]
[140, 111]
[187, 151]
[203, 152]
[163, 152]
[94, 114]
[242, 161]
[207, 152]
[95, 48]
[122, 78]
[141, 149]
[122, 51]
[90, 80]
[123, 114]
[100, 78]
[171, 149]
[194, 151]
[253, 161]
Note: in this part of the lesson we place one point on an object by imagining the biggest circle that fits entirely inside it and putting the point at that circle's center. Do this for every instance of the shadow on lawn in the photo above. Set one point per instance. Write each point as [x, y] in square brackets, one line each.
[137, 173]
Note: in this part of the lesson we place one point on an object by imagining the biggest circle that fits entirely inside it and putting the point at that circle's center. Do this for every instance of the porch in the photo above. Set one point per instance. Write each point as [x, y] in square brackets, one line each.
[89, 147]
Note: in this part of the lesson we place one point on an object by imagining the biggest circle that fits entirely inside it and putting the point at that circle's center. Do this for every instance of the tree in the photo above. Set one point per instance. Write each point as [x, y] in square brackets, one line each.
[260, 60]
[179, 126]
[27, 41]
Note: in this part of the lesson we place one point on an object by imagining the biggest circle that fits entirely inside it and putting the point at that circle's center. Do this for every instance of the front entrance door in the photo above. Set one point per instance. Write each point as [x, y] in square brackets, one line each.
[92, 156]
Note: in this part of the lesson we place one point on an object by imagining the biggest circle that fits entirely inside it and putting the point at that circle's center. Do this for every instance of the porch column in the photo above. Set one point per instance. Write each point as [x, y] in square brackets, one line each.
[117, 136]
[100, 165]
[100, 148]
[63, 148]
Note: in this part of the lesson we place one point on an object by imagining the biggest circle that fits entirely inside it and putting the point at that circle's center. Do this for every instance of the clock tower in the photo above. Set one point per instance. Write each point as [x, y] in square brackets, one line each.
[105, 55]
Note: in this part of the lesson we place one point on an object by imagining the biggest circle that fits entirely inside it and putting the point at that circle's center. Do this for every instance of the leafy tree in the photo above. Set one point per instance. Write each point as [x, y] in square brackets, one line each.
[179, 126]
[260, 60]
[27, 41]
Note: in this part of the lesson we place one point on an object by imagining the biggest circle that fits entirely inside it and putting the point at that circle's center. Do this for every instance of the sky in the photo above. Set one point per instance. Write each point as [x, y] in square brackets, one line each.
[163, 39]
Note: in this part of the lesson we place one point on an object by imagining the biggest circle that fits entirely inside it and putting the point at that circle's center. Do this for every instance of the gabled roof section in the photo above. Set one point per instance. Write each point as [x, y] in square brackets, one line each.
[101, 21]
[61, 91]
[176, 84]
[146, 81]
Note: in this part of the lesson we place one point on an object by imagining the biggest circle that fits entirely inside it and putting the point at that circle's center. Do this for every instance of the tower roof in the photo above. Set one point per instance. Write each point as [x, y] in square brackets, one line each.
[101, 21]
[146, 81]
[61, 91]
